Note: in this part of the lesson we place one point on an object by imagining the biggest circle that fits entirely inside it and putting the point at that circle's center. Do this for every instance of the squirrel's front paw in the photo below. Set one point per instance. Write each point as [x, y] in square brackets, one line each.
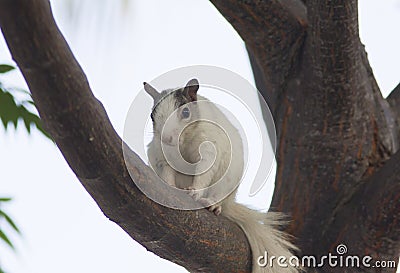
[211, 206]
[217, 209]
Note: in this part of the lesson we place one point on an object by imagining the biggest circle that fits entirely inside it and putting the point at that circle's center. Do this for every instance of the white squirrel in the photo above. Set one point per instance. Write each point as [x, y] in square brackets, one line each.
[188, 130]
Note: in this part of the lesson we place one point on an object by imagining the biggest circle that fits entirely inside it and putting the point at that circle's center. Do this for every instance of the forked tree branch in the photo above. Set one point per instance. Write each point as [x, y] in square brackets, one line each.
[333, 132]
[197, 240]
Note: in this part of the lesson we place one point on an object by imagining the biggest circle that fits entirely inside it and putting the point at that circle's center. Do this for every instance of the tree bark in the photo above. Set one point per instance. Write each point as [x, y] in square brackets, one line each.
[334, 128]
[338, 169]
[332, 132]
[394, 102]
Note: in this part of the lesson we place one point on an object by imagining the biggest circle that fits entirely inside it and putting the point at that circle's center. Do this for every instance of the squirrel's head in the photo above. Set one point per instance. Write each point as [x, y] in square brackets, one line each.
[173, 110]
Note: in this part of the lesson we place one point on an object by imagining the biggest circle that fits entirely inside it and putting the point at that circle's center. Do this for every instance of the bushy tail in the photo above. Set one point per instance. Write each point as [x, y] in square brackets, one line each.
[263, 235]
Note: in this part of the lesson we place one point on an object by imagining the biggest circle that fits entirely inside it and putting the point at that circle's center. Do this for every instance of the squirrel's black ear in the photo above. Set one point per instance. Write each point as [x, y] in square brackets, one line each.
[190, 90]
[151, 90]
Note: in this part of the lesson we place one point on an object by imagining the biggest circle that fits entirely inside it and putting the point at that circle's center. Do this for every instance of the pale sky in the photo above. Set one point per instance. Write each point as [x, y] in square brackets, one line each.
[63, 229]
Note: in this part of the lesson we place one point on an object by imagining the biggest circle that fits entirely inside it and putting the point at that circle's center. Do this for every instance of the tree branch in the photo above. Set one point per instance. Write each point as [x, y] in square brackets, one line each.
[81, 129]
[332, 39]
[273, 31]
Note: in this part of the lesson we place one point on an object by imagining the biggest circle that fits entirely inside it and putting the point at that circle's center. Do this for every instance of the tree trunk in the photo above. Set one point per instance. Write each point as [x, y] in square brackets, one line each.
[336, 134]
[338, 167]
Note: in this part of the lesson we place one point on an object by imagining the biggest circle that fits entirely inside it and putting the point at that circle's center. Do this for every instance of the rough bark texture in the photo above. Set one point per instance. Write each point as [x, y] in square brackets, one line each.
[394, 102]
[338, 162]
[335, 131]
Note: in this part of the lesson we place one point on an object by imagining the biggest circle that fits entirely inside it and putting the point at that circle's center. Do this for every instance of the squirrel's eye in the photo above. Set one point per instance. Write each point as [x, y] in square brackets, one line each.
[185, 113]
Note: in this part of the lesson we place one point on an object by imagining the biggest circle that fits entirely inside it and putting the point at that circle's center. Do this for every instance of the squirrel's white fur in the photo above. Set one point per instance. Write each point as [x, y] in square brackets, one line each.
[261, 229]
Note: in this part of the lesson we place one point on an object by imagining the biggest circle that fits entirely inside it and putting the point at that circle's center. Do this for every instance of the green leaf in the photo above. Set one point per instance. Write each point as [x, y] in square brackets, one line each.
[5, 199]
[5, 239]
[4, 68]
[10, 221]
[8, 109]
[11, 112]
